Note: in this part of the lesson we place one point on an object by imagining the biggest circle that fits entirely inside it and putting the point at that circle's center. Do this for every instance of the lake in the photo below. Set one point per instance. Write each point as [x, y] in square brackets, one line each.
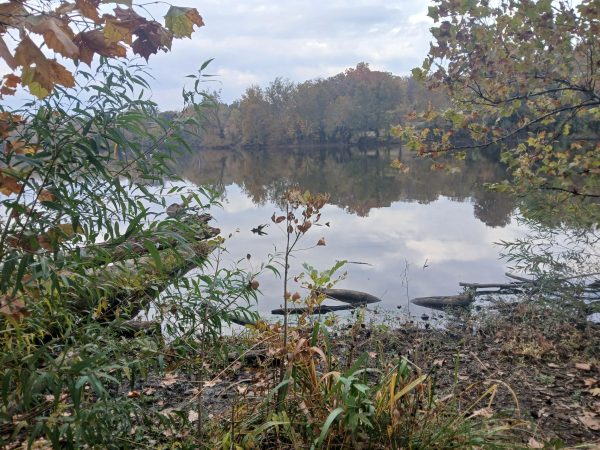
[415, 234]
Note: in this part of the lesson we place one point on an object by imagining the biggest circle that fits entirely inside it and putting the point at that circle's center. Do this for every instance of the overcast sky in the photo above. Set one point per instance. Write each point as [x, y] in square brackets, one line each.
[254, 41]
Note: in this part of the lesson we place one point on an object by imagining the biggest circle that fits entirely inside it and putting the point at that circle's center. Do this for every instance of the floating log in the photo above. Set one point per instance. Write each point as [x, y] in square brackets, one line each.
[349, 296]
[444, 301]
[354, 299]
[321, 309]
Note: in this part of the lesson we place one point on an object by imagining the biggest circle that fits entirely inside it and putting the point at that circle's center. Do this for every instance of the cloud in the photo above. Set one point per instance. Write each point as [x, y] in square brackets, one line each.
[255, 41]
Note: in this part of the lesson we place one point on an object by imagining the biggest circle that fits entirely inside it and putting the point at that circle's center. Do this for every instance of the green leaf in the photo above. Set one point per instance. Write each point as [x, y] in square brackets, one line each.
[327, 425]
[180, 21]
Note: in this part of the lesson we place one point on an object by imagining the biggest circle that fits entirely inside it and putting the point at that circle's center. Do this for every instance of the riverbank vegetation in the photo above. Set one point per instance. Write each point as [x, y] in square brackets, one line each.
[118, 315]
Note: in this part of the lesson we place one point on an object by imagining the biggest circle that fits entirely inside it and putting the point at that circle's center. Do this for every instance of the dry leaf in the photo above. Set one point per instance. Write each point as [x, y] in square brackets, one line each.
[532, 443]
[133, 394]
[483, 412]
[12, 307]
[589, 382]
[595, 392]
[89, 9]
[149, 391]
[169, 380]
[57, 34]
[583, 366]
[211, 383]
[590, 420]
[46, 196]
[192, 416]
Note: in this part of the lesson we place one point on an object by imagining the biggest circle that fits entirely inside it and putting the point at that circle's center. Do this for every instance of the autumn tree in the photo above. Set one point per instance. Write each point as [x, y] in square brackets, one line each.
[523, 76]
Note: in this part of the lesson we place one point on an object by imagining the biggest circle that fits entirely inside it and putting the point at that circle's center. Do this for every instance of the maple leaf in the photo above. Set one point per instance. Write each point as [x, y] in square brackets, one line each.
[151, 38]
[27, 53]
[6, 55]
[180, 21]
[90, 42]
[12, 14]
[9, 84]
[57, 34]
[114, 32]
[89, 9]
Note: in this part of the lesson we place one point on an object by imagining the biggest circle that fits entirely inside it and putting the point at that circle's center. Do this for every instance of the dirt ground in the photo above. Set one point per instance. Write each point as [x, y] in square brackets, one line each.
[547, 367]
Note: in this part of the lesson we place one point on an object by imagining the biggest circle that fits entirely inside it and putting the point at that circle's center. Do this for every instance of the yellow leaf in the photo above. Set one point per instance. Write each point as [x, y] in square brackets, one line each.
[114, 33]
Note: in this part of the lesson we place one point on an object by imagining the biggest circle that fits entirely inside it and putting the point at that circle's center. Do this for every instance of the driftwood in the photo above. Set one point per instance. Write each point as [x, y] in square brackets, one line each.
[444, 301]
[354, 299]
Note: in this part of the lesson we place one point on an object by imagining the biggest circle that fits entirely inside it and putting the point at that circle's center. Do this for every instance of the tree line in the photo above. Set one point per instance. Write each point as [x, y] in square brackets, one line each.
[356, 104]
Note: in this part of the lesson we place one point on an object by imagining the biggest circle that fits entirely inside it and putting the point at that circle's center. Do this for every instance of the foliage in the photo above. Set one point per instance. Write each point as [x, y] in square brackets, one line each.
[85, 245]
[357, 103]
[78, 31]
[522, 76]
[330, 404]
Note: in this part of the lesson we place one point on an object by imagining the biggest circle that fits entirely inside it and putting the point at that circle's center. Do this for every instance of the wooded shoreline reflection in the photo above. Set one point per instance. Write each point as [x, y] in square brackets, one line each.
[357, 179]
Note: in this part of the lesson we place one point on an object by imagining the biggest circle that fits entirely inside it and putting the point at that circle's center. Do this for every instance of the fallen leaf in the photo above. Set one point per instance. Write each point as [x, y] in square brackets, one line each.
[12, 307]
[589, 382]
[590, 420]
[583, 366]
[483, 412]
[532, 443]
[149, 391]
[133, 394]
[211, 383]
[192, 416]
[439, 362]
[553, 366]
[595, 392]
[169, 380]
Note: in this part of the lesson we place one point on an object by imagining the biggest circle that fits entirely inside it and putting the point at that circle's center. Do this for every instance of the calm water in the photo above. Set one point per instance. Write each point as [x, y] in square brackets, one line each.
[420, 232]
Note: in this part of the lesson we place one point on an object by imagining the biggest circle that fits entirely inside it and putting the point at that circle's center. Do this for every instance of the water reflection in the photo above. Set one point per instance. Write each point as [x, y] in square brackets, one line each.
[441, 226]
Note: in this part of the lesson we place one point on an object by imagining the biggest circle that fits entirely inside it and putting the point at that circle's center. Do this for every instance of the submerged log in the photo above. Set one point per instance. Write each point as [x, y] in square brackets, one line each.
[444, 301]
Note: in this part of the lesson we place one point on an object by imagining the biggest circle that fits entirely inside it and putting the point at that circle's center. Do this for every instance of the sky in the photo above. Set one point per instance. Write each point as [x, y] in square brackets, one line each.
[255, 41]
